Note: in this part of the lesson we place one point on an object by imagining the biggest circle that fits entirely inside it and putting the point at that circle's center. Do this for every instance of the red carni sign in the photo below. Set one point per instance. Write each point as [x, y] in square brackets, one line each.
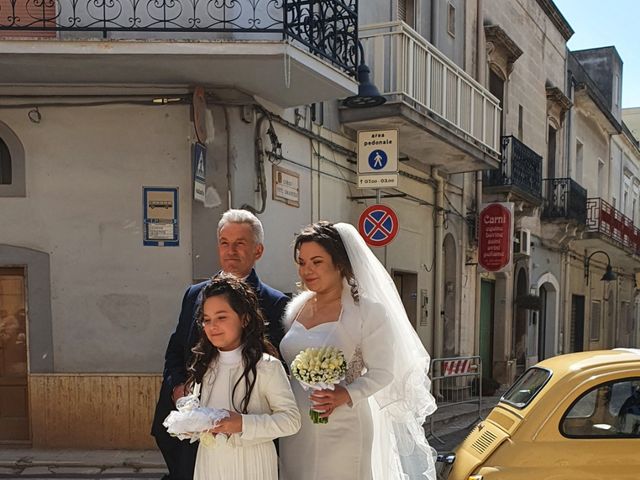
[495, 232]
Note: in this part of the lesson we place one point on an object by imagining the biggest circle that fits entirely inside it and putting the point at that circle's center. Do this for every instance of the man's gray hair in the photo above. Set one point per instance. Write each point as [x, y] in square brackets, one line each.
[243, 216]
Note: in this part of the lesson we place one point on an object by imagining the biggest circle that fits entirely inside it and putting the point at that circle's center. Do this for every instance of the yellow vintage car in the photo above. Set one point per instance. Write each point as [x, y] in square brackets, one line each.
[574, 416]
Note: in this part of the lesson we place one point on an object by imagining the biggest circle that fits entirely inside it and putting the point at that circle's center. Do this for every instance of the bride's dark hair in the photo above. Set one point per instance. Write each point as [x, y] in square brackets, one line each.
[327, 236]
[244, 302]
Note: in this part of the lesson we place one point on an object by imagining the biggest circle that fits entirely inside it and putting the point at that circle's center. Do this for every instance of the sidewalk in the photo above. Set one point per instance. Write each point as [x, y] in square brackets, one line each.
[450, 424]
[34, 463]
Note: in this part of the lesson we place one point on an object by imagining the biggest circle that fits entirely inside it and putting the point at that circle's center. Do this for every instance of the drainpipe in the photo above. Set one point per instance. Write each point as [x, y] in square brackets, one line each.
[564, 321]
[479, 77]
[438, 341]
[227, 128]
[479, 44]
[478, 277]
[435, 24]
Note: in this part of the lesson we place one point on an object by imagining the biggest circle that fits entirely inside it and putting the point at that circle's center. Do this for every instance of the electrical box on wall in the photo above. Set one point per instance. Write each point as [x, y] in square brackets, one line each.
[424, 308]
[522, 242]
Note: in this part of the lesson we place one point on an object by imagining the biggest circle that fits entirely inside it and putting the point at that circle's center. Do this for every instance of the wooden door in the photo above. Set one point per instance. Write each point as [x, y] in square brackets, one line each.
[14, 411]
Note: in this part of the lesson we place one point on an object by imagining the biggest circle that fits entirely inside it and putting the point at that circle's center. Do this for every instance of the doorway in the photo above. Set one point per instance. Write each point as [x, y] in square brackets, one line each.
[450, 333]
[407, 286]
[487, 298]
[576, 340]
[14, 410]
[521, 323]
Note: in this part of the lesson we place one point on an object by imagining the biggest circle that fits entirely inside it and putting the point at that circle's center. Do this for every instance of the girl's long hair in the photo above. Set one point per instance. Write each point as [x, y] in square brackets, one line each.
[244, 302]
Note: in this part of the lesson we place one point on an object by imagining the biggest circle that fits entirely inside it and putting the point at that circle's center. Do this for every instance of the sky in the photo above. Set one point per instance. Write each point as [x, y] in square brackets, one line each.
[601, 23]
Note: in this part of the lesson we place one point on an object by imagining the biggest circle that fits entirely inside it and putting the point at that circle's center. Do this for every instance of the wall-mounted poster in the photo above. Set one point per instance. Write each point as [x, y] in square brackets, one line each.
[160, 206]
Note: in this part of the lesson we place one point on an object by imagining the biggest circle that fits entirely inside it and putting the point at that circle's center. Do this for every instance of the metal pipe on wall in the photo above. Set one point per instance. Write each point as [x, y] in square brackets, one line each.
[478, 189]
[438, 311]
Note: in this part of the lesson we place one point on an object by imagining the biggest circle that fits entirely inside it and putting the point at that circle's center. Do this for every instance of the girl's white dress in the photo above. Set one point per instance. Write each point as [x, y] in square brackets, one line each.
[341, 449]
[273, 413]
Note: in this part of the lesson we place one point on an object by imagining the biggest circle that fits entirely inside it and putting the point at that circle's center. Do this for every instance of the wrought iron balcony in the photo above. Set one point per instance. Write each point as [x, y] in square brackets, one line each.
[327, 28]
[566, 199]
[520, 171]
[604, 219]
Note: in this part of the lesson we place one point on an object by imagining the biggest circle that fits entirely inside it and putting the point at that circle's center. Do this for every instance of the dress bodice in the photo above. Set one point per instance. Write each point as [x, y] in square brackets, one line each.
[326, 334]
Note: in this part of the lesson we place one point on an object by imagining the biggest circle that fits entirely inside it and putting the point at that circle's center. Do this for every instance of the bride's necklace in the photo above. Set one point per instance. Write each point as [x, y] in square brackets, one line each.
[324, 305]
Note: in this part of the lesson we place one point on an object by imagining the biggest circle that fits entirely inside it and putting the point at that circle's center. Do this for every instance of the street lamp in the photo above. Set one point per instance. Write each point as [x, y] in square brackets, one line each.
[609, 274]
[368, 95]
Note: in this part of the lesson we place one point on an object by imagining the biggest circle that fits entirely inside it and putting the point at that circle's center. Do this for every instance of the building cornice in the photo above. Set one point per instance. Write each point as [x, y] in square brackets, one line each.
[496, 35]
[555, 95]
[557, 18]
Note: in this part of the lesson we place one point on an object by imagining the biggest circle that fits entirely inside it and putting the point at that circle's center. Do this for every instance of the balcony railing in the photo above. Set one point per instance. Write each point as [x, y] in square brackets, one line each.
[603, 218]
[521, 169]
[328, 28]
[405, 65]
[565, 198]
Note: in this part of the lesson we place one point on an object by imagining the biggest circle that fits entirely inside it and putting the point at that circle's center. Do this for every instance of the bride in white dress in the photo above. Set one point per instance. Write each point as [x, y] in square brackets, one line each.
[375, 415]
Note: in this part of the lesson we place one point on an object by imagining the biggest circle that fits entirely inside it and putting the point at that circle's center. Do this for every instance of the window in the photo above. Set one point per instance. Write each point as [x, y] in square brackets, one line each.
[579, 160]
[602, 179]
[551, 152]
[5, 164]
[407, 12]
[451, 20]
[520, 123]
[616, 94]
[527, 387]
[611, 410]
[496, 87]
[596, 315]
[12, 168]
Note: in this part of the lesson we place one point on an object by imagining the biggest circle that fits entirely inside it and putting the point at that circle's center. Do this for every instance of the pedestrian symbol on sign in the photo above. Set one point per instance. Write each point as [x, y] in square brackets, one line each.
[377, 159]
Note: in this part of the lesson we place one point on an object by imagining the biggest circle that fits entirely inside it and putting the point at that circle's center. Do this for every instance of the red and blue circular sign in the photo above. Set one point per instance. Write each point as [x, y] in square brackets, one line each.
[378, 225]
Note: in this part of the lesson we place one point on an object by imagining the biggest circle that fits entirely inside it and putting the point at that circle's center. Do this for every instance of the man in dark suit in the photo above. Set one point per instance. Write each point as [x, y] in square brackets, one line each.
[240, 246]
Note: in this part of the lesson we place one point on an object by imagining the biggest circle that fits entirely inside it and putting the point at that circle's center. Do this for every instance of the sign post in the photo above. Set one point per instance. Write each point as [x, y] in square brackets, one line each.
[199, 172]
[496, 237]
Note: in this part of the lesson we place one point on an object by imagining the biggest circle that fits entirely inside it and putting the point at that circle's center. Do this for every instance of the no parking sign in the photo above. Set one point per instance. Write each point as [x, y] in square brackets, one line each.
[378, 225]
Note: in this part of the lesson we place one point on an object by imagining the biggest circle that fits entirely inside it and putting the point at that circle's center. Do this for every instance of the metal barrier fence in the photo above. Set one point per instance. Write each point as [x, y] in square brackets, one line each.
[455, 381]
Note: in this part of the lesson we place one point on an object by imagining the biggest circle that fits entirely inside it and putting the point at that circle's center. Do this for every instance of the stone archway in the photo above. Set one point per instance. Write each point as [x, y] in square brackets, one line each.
[548, 318]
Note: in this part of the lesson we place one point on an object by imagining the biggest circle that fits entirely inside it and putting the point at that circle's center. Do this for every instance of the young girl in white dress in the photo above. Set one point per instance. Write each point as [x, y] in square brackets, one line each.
[238, 371]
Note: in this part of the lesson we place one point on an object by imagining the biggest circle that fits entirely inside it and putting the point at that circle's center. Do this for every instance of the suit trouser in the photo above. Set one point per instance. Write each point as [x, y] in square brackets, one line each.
[179, 455]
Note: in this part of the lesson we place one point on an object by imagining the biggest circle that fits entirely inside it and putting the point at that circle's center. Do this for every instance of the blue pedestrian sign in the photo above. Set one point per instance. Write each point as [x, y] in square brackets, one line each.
[377, 159]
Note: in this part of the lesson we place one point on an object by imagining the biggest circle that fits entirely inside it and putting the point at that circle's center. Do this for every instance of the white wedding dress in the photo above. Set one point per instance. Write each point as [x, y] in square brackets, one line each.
[341, 449]
[381, 436]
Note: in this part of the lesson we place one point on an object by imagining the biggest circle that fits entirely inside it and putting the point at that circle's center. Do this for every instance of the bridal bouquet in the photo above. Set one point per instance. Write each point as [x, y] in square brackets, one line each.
[191, 421]
[319, 369]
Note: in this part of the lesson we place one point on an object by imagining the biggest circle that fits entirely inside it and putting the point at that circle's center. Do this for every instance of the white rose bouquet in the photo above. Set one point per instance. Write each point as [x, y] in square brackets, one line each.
[319, 369]
[193, 422]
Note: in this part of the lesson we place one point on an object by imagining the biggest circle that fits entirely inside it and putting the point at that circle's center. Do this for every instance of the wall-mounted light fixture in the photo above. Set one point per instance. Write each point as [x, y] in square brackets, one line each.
[609, 274]
[368, 95]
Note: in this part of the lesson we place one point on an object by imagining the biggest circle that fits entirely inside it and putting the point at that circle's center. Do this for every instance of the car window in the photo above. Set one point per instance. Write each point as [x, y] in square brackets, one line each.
[526, 387]
[610, 410]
